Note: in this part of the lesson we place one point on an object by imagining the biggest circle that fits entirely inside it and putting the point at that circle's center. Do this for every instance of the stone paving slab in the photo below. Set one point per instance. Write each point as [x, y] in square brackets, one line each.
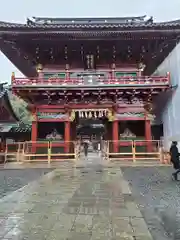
[69, 204]
[13, 179]
[158, 199]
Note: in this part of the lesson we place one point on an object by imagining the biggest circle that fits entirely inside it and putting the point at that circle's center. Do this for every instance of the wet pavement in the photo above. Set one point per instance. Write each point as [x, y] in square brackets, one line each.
[13, 179]
[87, 202]
[158, 198]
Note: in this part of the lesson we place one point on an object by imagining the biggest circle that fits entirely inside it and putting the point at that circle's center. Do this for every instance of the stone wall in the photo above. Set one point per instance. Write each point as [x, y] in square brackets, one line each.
[171, 111]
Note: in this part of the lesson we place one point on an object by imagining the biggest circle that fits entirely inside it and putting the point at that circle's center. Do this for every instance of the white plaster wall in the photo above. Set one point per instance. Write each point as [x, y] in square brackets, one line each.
[171, 113]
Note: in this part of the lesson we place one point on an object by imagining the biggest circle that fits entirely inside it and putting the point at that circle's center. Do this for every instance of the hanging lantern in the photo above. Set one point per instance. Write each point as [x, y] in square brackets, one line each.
[37, 53]
[95, 114]
[82, 52]
[143, 49]
[90, 115]
[37, 50]
[129, 52]
[92, 62]
[114, 53]
[88, 61]
[66, 53]
[51, 53]
[100, 113]
[97, 52]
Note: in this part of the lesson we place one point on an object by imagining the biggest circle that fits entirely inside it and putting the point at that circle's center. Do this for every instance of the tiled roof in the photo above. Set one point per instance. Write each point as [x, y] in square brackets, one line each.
[87, 23]
[3, 91]
[22, 128]
[4, 94]
[5, 128]
[15, 128]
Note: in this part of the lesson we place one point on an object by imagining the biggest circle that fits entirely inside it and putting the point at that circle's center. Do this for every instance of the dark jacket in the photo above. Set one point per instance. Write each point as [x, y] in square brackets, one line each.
[86, 145]
[175, 156]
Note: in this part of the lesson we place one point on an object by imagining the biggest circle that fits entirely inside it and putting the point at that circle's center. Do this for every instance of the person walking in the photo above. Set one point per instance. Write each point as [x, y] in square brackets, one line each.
[86, 145]
[174, 153]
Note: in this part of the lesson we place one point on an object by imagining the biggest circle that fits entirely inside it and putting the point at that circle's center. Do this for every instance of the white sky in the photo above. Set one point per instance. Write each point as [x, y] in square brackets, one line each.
[19, 10]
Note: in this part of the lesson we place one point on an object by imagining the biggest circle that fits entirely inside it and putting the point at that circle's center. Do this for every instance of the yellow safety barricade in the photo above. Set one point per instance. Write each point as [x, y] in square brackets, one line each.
[137, 150]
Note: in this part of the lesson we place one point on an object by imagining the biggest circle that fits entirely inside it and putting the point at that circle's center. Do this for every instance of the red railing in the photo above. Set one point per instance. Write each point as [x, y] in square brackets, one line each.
[125, 80]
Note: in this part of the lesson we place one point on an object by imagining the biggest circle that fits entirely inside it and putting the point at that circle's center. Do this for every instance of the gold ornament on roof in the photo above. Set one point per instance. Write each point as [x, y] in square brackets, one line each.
[33, 117]
[110, 116]
[151, 117]
[39, 67]
[72, 116]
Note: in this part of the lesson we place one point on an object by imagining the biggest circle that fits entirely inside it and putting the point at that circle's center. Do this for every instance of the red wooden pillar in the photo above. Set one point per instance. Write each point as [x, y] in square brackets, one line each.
[67, 136]
[148, 135]
[3, 144]
[34, 136]
[115, 135]
[34, 131]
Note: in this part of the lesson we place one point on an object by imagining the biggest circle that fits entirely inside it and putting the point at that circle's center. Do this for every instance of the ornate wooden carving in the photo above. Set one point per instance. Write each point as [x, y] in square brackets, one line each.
[54, 135]
[127, 134]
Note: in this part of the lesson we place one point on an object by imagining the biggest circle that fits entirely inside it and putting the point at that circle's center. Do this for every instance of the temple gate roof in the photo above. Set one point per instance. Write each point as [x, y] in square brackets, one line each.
[142, 22]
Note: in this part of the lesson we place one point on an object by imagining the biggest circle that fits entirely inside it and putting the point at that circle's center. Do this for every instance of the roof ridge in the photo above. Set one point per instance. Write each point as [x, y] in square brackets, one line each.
[80, 20]
[7, 22]
[87, 18]
[87, 23]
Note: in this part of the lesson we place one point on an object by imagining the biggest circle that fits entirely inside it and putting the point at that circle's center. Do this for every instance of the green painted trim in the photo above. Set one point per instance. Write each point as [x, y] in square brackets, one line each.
[55, 75]
[125, 74]
[58, 115]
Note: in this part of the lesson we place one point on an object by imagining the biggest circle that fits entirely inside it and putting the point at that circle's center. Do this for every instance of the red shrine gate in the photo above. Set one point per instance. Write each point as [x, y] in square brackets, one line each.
[87, 101]
[82, 68]
[57, 114]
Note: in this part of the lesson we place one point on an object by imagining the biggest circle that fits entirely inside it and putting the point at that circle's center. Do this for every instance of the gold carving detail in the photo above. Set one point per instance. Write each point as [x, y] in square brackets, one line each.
[110, 116]
[72, 116]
